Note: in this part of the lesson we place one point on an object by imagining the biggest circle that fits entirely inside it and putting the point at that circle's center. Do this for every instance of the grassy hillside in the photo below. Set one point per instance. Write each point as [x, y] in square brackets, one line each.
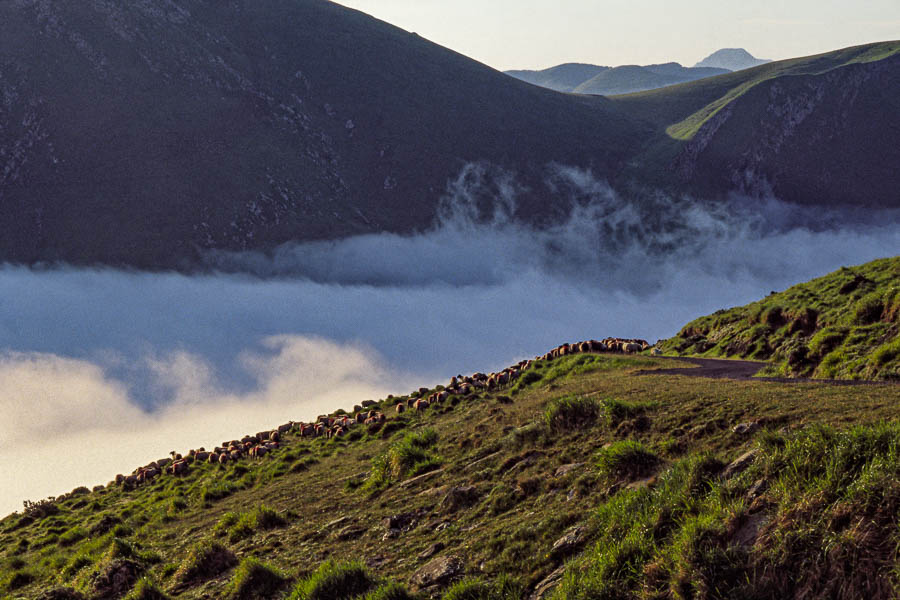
[587, 478]
[845, 325]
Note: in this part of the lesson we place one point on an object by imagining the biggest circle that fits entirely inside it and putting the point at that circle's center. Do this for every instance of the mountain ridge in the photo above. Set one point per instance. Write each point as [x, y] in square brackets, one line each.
[251, 127]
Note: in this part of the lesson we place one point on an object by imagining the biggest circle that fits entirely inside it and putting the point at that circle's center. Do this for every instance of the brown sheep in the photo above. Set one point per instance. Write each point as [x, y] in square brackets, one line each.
[274, 436]
[212, 458]
[235, 454]
[223, 458]
[421, 405]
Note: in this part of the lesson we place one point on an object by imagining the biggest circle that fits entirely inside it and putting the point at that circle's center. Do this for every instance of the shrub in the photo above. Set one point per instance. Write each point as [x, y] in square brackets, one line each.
[18, 579]
[825, 341]
[502, 498]
[243, 528]
[407, 457]
[75, 564]
[266, 518]
[335, 581]
[571, 412]
[627, 459]
[616, 411]
[72, 536]
[146, 590]
[886, 353]
[255, 579]
[469, 589]
[389, 591]
[477, 589]
[868, 309]
[205, 561]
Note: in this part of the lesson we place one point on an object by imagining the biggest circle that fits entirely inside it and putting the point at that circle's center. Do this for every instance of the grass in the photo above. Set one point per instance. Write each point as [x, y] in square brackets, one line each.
[335, 581]
[845, 325]
[254, 579]
[827, 456]
[205, 560]
[409, 456]
[571, 412]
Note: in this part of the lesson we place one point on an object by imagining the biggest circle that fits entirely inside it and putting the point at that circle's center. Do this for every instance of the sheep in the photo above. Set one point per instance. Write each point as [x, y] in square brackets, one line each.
[223, 458]
[274, 436]
[630, 348]
[213, 457]
[421, 405]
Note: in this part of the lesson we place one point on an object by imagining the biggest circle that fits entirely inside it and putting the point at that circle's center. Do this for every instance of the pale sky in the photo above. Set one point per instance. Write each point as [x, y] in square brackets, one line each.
[536, 34]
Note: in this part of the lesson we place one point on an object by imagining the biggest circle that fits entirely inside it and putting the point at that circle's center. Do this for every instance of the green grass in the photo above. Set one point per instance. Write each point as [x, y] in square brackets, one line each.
[845, 325]
[254, 579]
[409, 456]
[571, 412]
[335, 581]
[828, 458]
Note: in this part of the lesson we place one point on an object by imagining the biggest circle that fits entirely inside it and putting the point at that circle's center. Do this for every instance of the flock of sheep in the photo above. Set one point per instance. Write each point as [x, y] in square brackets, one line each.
[337, 425]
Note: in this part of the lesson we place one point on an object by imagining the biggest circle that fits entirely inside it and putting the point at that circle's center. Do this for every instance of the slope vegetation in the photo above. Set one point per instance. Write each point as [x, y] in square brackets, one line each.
[586, 477]
[845, 325]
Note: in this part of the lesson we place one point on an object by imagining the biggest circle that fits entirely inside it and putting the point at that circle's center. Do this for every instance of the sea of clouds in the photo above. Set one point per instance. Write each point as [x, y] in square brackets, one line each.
[103, 370]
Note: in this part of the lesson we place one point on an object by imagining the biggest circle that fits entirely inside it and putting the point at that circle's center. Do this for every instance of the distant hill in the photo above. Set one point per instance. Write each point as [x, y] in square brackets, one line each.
[733, 59]
[633, 78]
[143, 136]
[845, 325]
[562, 78]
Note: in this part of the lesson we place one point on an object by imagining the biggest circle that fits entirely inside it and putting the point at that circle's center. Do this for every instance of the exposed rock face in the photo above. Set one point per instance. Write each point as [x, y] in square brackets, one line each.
[439, 571]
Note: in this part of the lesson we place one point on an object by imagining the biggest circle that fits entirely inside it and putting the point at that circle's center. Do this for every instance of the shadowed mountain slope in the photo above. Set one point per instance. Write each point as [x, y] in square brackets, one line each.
[143, 135]
[136, 133]
[821, 130]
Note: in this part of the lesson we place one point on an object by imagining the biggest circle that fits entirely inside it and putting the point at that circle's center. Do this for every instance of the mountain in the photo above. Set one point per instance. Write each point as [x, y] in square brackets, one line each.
[733, 59]
[821, 130]
[844, 325]
[143, 136]
[140, 135]
[592, 79]
[562, 78]
[592, 475]
[634, 78]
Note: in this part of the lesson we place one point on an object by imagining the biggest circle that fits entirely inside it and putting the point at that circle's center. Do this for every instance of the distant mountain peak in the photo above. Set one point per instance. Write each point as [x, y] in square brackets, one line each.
[734, 59]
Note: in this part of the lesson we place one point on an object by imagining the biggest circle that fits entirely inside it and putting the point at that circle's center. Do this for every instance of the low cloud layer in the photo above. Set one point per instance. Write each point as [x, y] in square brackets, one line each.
[102, 370]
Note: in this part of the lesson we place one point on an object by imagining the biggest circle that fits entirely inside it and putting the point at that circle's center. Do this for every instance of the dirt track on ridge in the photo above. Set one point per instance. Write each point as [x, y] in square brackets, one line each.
[716, 368]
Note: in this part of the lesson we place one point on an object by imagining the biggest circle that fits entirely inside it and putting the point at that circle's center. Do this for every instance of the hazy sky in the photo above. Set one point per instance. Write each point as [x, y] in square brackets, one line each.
[535, 34]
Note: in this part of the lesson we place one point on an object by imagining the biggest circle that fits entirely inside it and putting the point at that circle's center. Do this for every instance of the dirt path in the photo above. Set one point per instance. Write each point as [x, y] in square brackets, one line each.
[715, 368]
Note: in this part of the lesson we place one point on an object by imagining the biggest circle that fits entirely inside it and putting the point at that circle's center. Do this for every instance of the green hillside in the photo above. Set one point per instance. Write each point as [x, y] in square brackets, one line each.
[585, 478]
[845, 325]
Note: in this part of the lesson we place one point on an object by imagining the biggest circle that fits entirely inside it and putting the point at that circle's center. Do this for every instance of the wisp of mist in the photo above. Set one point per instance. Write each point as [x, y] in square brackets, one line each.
[103, 370]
